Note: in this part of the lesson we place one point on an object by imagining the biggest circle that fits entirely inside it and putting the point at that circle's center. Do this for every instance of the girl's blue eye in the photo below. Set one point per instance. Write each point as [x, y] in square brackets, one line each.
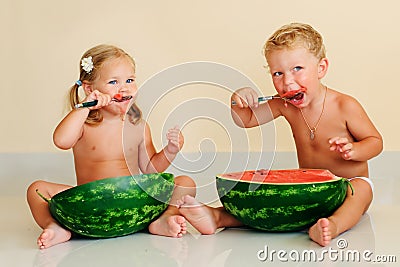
[297, 68]
[112, 82]
[276, 74]
[130, 81]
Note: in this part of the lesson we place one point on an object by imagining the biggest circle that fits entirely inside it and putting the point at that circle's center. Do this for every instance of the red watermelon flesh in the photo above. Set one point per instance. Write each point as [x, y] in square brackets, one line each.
[118, 97]
[294, 176]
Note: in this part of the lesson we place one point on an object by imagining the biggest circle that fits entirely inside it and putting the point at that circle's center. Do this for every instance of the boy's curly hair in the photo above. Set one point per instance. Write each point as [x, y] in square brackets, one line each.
[294, 35]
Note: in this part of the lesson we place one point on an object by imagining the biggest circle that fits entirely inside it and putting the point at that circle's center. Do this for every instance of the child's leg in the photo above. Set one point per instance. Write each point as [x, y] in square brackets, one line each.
[52, 233]
[346, 216]
[171, 222]
[204, 218]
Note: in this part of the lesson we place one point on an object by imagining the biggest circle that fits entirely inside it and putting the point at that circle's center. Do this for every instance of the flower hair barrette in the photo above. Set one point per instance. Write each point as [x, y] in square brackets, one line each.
[87, 64]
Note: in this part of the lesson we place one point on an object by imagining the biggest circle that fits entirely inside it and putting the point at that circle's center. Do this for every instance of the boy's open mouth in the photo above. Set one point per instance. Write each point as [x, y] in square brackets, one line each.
[297, 97]
[294, 95]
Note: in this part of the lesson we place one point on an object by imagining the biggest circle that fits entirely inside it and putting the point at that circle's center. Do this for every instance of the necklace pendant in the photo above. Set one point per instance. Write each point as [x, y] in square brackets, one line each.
[312, 134]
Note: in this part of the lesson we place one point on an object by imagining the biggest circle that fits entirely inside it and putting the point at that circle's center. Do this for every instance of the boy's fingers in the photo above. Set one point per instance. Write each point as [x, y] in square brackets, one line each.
[339, 140]
[342, 141]
[347, 147]
[333, 140]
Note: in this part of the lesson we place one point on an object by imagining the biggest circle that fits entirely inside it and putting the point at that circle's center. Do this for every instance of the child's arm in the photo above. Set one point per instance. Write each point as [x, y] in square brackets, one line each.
[368, 141]
[70, 129]
[150, 161]
[247, 112]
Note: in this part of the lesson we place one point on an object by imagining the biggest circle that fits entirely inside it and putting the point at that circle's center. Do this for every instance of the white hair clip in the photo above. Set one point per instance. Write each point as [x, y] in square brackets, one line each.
[87, 64]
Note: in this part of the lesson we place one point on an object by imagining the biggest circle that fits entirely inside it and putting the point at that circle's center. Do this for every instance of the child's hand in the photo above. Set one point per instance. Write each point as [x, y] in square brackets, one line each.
[103, 99]
[343, 146]
[245, 97]
[175, 140]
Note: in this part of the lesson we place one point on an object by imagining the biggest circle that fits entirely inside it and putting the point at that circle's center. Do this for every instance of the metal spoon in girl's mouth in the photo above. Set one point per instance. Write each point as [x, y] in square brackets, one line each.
[119, 98]
[93, 103]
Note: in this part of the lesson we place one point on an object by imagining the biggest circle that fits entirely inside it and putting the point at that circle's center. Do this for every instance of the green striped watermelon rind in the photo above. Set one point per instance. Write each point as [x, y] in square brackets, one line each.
[113, 207]
[281, 207]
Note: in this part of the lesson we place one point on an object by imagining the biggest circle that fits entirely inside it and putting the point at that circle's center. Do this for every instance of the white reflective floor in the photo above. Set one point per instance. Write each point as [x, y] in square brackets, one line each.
[375, 237]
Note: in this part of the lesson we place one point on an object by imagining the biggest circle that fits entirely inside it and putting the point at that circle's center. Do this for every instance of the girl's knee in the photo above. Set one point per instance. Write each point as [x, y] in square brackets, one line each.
[184, 181]
[48, 189]
[36, 185]
[31, 193]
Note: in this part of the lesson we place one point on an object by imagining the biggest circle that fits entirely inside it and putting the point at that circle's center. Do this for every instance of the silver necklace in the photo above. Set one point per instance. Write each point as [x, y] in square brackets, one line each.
[313, 130]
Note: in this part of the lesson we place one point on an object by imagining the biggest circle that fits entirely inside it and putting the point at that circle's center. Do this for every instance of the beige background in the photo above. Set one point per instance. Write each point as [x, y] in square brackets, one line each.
[42, 41]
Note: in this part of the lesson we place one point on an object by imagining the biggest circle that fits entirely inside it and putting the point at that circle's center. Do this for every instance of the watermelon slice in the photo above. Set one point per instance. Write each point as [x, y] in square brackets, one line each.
[112, 207]
[281, 200]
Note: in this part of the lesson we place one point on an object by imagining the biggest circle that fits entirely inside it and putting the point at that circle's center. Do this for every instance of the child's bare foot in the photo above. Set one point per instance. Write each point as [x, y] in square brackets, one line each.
[198, 215]
[53, 235]
[322, 231]
[169, 225]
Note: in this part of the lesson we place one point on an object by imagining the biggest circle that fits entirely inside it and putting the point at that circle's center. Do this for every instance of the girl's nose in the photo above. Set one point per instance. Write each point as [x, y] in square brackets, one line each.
[122, 88]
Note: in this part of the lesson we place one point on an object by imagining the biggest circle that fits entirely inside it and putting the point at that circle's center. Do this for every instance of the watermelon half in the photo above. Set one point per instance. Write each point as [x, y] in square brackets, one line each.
[114, 206]
[281, 200]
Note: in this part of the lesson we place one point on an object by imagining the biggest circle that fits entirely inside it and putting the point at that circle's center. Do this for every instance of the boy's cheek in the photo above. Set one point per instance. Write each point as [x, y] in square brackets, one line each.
[279, 90]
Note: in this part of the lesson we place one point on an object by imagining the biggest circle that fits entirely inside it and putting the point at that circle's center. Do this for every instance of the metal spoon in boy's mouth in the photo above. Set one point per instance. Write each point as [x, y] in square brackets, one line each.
[288, 96]
[294, 94]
